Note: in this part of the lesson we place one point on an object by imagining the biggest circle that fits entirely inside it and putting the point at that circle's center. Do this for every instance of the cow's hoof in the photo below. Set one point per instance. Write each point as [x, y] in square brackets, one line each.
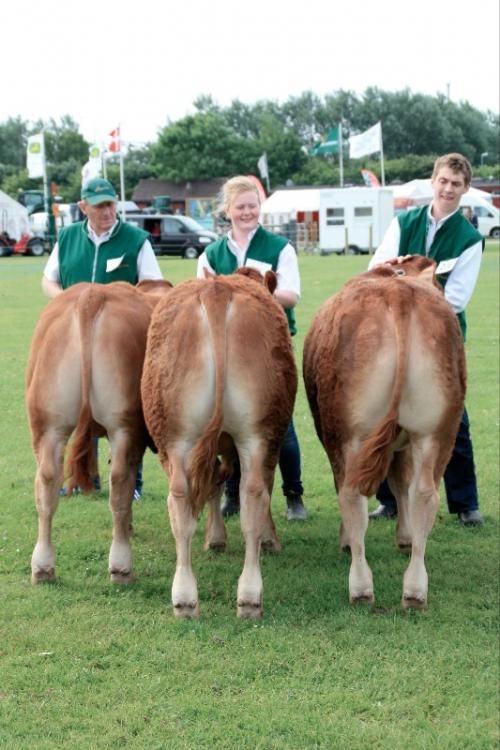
[47, 575]
[271, 545]
[216, 545]
[249, 610]
[187, 611]
[363, 597]
[414, 601]
[121, 577]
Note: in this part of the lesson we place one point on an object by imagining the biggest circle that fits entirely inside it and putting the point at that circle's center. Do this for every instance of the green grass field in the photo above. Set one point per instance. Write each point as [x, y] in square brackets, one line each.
[85, 665]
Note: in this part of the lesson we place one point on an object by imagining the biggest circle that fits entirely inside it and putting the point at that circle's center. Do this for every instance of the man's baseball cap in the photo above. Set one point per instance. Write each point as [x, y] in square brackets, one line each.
[98, 191]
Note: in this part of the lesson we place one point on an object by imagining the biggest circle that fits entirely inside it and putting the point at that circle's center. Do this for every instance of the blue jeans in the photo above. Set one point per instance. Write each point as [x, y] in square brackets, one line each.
[289, 463]
[459, 476]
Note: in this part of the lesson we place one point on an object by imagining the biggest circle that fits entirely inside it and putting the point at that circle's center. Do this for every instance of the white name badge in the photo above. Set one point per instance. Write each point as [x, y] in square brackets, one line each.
[259, 265]
[446, 266]
[113, 263]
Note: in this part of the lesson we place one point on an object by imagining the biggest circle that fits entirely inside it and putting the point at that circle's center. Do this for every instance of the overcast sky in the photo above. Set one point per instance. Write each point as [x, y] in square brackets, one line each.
[143, 63]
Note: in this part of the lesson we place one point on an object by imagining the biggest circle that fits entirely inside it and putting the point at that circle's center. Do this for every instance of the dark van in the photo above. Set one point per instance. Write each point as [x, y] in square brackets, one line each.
[173, 234]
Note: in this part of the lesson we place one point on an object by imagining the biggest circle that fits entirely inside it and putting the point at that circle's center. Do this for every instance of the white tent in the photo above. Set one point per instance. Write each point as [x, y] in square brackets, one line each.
[282, 205]
[13, 217]
[419, 192]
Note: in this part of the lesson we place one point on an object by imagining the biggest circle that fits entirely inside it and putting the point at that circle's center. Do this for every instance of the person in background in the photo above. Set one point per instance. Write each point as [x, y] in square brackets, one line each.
[248, 243]
[441, 232]
[100, 249]
[470, 214]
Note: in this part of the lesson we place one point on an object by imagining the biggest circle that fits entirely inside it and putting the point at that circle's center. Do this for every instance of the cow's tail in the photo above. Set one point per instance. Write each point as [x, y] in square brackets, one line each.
[372, 462]
[202, 470]
[82, 464]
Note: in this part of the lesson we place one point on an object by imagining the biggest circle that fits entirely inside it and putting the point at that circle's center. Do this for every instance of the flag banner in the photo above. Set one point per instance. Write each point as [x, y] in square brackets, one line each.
[35, 156]
[114, 144]
[90, 170]
[263, 167]
[367, 142]
[370, 179]
[331, 144]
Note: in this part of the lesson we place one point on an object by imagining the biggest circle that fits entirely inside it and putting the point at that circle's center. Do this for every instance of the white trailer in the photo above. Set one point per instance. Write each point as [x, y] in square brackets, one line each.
[353, 220]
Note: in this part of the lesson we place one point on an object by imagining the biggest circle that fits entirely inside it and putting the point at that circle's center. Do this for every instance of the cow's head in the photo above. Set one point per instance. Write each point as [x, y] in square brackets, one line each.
[414, 266]
[269, 279]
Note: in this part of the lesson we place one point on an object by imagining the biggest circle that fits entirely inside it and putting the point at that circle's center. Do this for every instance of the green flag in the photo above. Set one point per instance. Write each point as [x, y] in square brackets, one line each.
[329, 146]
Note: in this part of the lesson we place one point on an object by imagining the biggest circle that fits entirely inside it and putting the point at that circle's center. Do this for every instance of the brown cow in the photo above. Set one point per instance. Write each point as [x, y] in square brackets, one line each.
[219, 377]
[84, 372]
[384, 370]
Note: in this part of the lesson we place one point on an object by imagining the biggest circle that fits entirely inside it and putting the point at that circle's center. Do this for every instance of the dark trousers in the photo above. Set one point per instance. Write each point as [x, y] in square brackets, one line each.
[289, 463]
[459, 476]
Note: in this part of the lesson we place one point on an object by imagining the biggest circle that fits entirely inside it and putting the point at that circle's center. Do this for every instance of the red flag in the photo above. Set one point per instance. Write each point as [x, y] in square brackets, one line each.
[370, 179]
[114, 145]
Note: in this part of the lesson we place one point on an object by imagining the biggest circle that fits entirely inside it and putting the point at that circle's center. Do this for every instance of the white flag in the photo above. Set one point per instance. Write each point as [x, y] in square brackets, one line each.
[366, 143]
[263, 168]
[35, 156]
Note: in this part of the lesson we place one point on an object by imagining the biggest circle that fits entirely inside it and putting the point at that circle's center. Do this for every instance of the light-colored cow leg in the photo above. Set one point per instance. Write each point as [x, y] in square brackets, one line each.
[124, 463]
[254, 517]
[215, 530]
[423, 505]
[354, 510]
[183, 525]
[50, 456]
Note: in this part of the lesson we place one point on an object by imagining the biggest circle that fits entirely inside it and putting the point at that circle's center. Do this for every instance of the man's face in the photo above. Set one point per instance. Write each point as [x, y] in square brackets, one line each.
[448, 187]
[101, 217]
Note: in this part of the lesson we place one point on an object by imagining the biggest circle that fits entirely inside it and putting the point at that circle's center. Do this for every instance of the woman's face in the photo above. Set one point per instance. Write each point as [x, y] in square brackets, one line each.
[244, 211]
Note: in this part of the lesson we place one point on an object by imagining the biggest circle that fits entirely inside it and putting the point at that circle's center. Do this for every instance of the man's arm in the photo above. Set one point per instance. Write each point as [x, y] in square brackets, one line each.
[389, 247]
[51, 285]
[463, 277]
[147, 264]
[51, 288]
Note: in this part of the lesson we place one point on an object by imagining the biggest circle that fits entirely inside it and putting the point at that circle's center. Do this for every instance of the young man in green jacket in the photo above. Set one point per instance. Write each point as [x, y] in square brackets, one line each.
[442, 233]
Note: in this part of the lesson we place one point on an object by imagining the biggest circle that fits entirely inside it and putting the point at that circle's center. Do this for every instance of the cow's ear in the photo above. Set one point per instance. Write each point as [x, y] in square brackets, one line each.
[428, 274]
[271, 281]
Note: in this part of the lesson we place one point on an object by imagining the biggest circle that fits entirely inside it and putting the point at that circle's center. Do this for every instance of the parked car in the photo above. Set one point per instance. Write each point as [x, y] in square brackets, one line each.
[173, 234]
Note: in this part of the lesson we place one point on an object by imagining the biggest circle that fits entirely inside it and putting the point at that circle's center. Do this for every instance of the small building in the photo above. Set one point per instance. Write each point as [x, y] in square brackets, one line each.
[196, 198]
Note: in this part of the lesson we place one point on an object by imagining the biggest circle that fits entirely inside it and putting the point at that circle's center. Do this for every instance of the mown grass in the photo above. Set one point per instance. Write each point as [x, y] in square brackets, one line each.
[84, 664]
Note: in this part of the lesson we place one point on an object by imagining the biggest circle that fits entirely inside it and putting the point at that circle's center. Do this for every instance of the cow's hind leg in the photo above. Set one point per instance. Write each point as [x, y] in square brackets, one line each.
[49, 453]
[423, 498]
[254, 518]
[183, 525]
[125, 458]
[354, 509]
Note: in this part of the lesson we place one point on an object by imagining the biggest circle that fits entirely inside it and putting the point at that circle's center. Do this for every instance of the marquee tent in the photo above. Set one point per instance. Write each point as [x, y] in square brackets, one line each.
[13, 217]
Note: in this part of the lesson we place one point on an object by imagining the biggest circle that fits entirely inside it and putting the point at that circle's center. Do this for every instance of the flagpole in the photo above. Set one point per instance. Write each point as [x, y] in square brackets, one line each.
[382, 174]
[341, 157]
[122, 176]
[104, 168]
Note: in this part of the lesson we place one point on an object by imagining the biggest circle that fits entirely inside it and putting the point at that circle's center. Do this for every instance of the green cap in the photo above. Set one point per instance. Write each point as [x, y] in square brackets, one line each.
[98, 191]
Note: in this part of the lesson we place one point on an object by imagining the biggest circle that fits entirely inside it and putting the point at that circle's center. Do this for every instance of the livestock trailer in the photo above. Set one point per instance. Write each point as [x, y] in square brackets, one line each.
[353, 220]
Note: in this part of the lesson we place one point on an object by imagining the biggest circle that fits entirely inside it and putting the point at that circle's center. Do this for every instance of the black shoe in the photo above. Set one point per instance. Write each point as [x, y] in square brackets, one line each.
[295, 510]
[471, 518]
[230, 506]
[383, 511]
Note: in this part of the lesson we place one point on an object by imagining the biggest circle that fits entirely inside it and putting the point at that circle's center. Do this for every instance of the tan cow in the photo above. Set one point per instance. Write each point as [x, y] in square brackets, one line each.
[219, 377]
[384, 370]
[84, 372]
